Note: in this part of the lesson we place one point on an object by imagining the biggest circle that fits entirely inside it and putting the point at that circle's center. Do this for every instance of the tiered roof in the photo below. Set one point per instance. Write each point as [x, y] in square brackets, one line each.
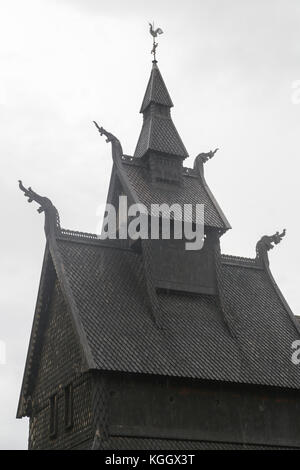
[243, 334]
[158, 133]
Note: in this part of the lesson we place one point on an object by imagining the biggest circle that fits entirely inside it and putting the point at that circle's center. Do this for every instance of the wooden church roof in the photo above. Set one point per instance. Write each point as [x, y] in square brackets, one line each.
[197, 338]
[244, 338]
[242, 334]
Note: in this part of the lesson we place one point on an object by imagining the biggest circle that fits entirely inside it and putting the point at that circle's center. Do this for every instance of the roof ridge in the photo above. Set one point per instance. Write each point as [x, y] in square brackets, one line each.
[117, 244]
[241, 261]
[65, 232]
[242, 258]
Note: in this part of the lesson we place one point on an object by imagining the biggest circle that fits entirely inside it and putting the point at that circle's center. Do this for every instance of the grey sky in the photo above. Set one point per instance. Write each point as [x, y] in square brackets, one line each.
[229, 66]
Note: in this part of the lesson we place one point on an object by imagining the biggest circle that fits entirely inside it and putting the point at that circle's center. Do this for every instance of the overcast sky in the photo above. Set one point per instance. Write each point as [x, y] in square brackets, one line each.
[230, 67]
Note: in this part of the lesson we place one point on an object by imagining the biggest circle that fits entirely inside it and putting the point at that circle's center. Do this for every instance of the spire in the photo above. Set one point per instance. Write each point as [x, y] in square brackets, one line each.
[158, 133]
[156, 91]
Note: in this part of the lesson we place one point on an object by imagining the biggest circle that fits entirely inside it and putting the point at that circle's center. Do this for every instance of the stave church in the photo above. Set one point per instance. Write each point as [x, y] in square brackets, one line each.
[143, 344]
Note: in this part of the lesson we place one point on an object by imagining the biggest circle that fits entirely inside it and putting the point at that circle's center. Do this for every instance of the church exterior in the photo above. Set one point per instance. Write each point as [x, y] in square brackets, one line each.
[142, 344]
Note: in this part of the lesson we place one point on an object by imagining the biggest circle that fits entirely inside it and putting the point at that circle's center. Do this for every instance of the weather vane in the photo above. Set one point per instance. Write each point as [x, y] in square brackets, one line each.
[154, 33]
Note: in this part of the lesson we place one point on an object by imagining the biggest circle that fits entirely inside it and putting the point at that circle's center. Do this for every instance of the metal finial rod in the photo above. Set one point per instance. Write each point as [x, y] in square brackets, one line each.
[155, 44]
[154, 33]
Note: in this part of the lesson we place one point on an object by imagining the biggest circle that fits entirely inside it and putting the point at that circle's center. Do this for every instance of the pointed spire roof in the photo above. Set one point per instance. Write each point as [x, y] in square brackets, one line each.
[158, 133]
[156, 91]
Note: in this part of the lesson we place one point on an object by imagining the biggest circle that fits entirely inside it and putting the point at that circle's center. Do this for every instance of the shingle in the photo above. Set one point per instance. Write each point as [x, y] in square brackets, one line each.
[159, 134]
[156, 91]
[109, 289]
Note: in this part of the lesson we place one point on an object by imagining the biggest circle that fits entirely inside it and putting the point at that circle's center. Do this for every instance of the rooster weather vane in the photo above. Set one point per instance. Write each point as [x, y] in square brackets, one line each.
[154, 33]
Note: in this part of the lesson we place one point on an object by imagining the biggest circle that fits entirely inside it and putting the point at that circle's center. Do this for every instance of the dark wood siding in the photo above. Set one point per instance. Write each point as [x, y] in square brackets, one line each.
[60, 364]
[179, 409]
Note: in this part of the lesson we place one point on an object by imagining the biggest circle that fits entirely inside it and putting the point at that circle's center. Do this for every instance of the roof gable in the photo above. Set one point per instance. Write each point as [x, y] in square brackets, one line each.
[47, 281]
[59, 357]
[53, 273]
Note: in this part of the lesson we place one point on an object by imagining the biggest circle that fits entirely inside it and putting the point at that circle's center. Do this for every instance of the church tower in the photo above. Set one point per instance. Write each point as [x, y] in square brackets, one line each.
[156, 175]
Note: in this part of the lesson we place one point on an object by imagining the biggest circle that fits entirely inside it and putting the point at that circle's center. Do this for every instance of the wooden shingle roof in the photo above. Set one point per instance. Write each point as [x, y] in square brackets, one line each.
[108, 287]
